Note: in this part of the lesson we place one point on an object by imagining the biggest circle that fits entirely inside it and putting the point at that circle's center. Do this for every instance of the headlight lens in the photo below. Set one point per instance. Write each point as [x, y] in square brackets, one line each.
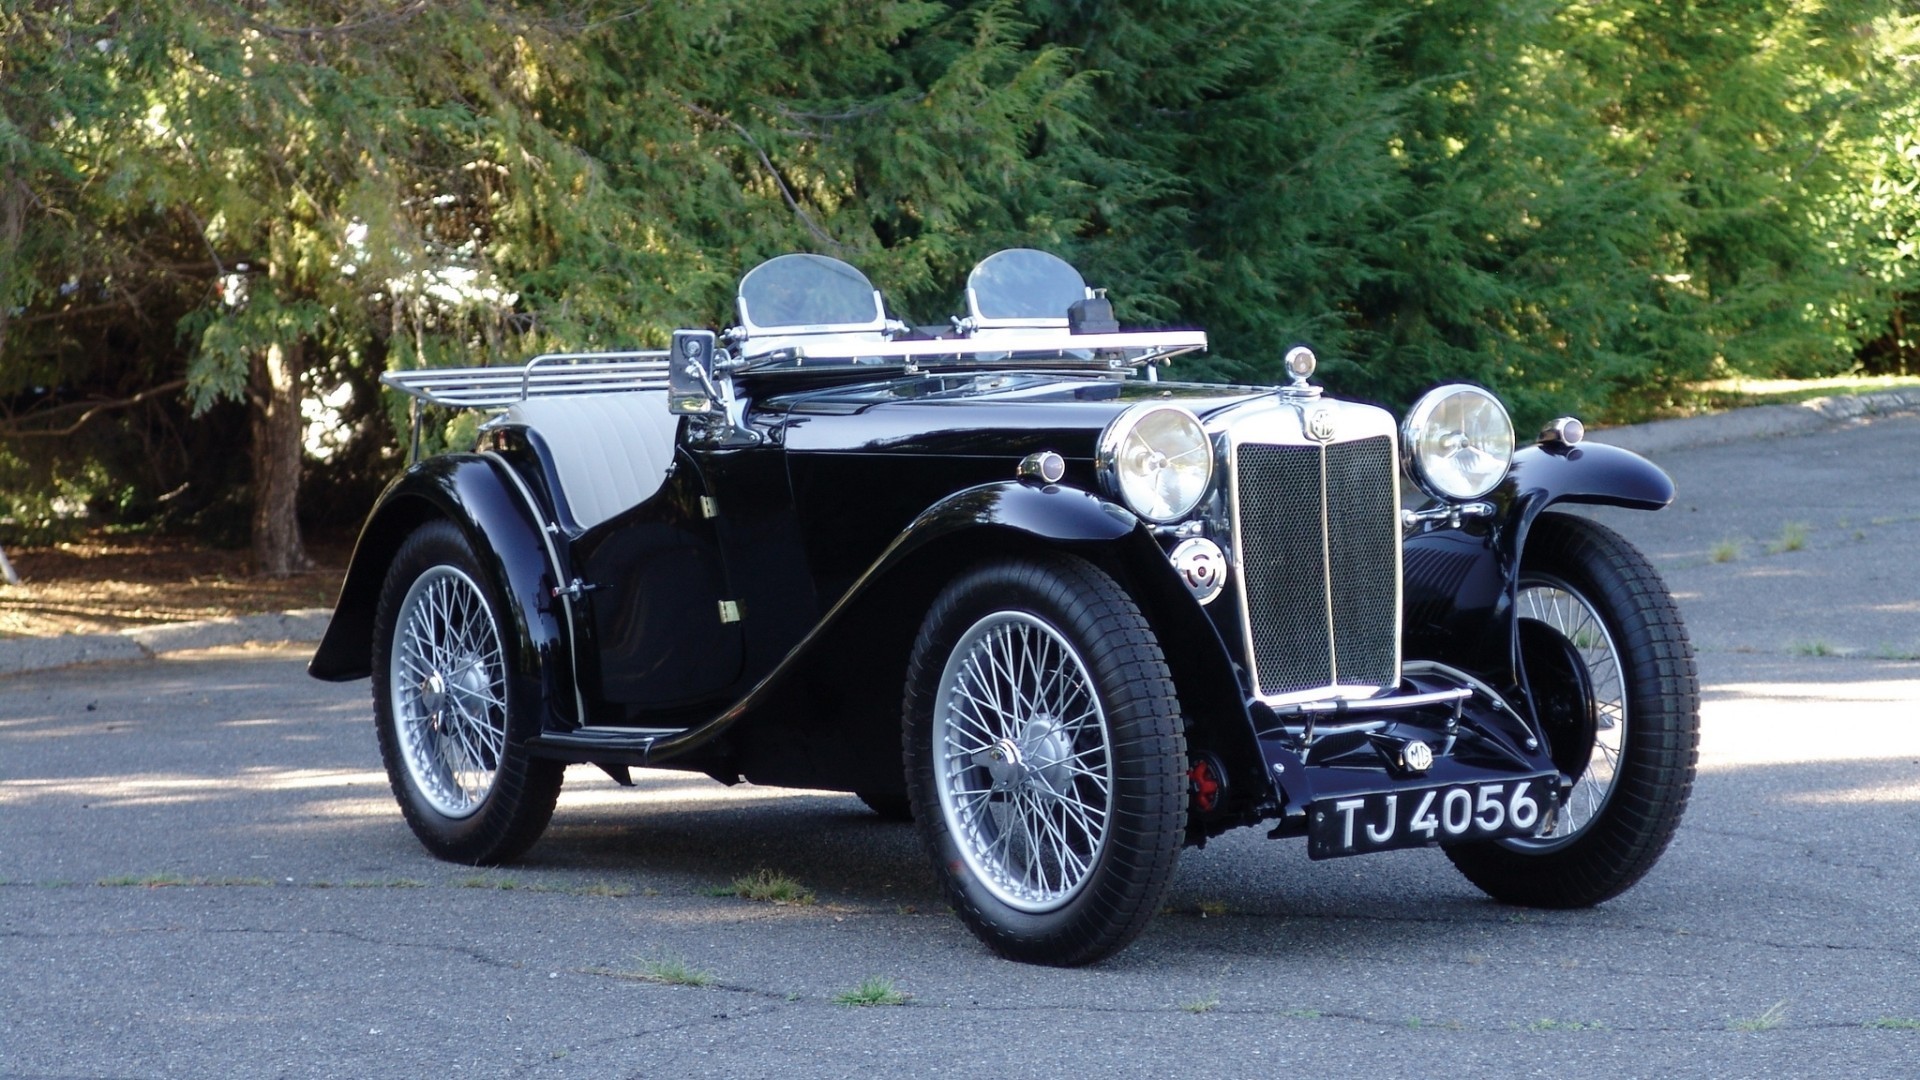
[1458, 442]
[1157, 460]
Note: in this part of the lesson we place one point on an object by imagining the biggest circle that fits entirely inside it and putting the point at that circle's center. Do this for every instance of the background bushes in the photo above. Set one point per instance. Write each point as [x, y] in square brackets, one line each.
[1585, 205]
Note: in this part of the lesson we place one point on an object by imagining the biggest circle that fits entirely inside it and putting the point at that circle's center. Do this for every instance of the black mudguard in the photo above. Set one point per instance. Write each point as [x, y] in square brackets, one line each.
[1461, 582]
[479, 495]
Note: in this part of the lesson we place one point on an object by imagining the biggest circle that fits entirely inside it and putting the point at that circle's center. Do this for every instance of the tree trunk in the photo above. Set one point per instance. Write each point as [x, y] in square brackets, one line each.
[13, 211]
[278, 549]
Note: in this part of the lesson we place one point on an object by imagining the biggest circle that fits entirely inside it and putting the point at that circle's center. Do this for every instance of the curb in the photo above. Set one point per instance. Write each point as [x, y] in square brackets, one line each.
[19, 656]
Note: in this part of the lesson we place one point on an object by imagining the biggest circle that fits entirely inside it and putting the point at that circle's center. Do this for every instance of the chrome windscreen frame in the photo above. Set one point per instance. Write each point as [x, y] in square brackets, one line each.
[1298, 420]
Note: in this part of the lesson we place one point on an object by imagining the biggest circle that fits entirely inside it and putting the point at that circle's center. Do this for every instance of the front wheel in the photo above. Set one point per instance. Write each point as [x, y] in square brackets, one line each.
[453, 741]
[1044, 758]
[1612, 677]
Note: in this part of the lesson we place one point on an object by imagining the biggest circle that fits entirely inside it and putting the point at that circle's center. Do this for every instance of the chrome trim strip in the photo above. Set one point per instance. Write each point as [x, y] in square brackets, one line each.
[1378, 704]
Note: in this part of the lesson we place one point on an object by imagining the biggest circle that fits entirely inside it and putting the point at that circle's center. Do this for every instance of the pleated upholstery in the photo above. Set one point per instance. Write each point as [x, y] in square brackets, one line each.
[610, 451]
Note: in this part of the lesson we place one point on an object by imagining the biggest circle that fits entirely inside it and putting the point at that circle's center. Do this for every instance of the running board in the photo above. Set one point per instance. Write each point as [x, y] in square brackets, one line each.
[602, 745]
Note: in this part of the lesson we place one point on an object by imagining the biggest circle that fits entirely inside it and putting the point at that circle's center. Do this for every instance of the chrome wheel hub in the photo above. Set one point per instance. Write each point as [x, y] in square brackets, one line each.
[1038, 762]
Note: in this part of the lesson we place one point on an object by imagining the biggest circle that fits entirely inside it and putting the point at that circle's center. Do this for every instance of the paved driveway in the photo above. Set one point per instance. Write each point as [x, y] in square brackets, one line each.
[202, 873]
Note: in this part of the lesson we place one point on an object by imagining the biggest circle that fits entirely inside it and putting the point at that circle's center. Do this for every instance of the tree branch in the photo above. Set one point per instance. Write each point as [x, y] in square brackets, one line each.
[11, 428]
[786, 192]
[314, 33]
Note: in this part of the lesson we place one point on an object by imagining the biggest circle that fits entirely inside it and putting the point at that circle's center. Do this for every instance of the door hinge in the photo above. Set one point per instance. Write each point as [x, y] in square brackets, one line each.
[729, 611]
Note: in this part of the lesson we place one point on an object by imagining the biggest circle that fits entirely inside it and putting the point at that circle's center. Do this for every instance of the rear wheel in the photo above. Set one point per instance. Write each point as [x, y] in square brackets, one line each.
[1045, 759]
[453, 742]
[1612, 675]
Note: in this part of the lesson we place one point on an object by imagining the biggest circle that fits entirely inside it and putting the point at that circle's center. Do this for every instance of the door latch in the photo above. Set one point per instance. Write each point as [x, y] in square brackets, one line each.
[574, 590]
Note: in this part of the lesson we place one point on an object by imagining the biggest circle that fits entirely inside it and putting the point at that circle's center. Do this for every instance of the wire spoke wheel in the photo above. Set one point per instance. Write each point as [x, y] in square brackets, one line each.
[1045, 758]
[1026, 771]
[1611, 674]
[448, 682]
[453, 733]
[1551, 601]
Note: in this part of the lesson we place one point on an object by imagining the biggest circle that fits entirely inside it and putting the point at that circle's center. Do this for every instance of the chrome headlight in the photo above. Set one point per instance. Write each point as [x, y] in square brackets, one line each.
[1157, 460]
[1458, 442]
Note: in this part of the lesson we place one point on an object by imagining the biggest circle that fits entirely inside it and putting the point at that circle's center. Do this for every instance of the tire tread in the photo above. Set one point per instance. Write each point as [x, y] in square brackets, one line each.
[1621, 845]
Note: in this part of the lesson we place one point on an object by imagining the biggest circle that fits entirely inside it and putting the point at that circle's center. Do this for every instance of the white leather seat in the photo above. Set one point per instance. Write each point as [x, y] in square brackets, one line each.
[610, 451]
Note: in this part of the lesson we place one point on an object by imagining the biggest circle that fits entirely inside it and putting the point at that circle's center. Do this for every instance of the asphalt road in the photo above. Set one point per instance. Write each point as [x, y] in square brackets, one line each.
[202, 874]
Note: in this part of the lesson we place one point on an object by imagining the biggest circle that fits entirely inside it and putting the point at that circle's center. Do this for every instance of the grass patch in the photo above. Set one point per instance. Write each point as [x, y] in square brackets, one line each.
[482, 881]
[1725, 551]
[169, 881]
[672, 971]
[1893, 1023]
[1895, 652]
[1546, 1024]
[877, 990]
[148, 881]
[1793, 537]
[768, 887]
[1775, 1015]
[1201, 1004]
[1813, 648]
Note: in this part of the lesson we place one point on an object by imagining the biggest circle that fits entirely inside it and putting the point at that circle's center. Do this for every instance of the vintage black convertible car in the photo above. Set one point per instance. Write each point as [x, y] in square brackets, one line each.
[1000, 577]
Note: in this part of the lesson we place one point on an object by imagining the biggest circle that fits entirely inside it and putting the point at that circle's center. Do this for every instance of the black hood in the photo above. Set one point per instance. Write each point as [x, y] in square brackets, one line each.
[988, 415]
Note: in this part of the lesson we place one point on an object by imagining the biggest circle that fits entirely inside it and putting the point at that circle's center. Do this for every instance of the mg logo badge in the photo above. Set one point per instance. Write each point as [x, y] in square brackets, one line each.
[1320, 425]
[1418, 756]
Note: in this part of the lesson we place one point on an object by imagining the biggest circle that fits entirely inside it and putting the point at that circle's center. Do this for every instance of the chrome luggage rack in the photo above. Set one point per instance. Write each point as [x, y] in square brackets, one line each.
[546, 375]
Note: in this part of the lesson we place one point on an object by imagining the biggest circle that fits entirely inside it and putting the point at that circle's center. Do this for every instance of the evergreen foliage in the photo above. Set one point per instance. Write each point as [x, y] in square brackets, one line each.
[1583, 205]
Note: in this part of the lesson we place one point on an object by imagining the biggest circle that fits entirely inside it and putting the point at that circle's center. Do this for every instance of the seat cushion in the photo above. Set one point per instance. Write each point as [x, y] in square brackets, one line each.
[610, 451]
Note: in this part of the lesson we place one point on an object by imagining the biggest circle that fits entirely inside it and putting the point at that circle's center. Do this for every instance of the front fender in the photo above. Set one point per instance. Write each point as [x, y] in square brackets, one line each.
[479, 496]
[1461, 582]
[1052, 513]
[1011, 516]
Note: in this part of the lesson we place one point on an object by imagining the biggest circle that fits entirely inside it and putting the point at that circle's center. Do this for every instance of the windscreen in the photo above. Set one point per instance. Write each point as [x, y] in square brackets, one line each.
[807, 290]
[1024, 284]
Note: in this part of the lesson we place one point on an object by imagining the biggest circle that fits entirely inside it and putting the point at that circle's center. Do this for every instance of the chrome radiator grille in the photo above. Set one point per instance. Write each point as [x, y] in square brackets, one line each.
[1319, 551]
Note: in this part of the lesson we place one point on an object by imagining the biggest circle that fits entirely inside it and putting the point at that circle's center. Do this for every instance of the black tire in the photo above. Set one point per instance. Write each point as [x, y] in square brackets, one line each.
[1634, 741]
[889, 806]
[453, 740]
[1054, 836]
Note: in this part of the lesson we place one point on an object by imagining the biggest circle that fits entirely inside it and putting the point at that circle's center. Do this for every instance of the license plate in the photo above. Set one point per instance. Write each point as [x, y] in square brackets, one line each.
[1382, 820]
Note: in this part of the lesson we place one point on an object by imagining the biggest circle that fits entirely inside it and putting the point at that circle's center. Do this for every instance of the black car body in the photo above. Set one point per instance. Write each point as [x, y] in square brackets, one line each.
[1003, 579]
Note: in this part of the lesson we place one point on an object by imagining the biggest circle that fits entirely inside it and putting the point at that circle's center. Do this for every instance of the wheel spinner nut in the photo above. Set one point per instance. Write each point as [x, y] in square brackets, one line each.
[1417, 756]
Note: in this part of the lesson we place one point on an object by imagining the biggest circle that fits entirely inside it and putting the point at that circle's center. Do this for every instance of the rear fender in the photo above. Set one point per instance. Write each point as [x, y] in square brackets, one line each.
[1461, 582]
[481, 496]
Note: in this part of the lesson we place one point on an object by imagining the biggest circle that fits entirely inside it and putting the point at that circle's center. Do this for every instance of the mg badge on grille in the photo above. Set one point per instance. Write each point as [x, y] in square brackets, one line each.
[1202, 565]
[1320, 424]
